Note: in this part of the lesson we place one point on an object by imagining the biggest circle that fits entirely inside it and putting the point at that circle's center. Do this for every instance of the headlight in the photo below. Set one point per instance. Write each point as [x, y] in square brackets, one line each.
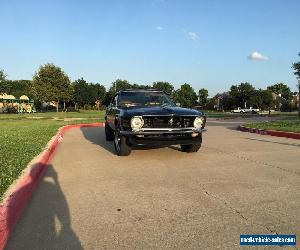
[136, 122]
[198, 122]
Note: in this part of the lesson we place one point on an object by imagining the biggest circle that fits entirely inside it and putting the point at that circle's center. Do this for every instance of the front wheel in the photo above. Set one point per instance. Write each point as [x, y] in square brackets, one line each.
[191, 148]
[121, 147]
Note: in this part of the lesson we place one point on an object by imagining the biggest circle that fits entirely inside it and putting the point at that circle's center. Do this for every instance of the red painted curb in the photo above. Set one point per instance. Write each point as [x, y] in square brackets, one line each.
[12, 207]
[270, 132]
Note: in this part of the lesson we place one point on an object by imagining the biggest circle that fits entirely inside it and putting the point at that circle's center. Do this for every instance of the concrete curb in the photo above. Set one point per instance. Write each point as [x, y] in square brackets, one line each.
[12, 207]
[270, 132]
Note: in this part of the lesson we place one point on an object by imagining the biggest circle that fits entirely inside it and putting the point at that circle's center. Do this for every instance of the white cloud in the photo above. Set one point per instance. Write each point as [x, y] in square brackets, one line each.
[159, 28]
[257, 56]
[192, 35]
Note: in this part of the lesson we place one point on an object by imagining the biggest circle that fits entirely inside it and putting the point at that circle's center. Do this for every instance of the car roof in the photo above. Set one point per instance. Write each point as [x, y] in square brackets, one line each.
[140, 90]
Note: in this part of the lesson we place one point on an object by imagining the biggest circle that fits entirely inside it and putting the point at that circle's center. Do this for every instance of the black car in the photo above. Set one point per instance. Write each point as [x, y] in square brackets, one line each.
[151, 118]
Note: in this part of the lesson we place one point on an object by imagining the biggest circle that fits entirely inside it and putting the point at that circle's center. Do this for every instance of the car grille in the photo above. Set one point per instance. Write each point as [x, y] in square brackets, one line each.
[168, 121]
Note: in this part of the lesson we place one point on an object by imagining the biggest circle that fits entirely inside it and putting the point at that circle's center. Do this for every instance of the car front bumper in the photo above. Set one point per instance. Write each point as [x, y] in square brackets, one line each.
[163, 136]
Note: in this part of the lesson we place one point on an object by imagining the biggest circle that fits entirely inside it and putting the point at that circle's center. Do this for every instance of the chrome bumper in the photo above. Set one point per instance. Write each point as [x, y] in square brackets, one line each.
[155, 131]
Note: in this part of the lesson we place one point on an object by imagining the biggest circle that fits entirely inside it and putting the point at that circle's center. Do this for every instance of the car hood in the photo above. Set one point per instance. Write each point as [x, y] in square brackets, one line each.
[161, 110]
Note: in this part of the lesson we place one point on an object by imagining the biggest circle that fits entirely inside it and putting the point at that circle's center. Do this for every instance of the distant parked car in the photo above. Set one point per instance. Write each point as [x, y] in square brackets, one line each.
[238, 110]
[150, 117]
[245, 110]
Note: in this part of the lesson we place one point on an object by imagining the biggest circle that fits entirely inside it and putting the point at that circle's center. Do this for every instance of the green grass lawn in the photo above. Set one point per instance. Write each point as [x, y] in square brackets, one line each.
[228, 115]
[84, 114]
[24, 136]
[285, 125]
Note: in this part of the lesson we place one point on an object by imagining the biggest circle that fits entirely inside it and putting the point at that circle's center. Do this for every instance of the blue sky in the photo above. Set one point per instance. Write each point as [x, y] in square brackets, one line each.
[211, 44]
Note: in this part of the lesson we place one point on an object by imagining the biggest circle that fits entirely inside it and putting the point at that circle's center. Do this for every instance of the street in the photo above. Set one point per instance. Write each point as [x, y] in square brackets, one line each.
[238, 183]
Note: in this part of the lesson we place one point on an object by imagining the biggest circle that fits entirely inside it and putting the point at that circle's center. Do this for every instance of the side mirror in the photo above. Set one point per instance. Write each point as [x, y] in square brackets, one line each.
[177, 104]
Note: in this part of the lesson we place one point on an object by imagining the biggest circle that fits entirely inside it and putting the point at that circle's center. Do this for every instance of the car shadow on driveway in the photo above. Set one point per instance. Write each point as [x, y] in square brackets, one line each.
[96, 135]
[46, 222]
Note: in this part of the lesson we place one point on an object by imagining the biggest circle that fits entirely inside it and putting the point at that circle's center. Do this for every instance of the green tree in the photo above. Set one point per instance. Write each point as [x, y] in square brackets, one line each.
[2, 81]
[14, 87]
[281, 89]
[51, 83]
[203, 97]
[241, 95]
[18, 88]
[296, 67]
[97, 93]
[186, 96]
[164, 86]
[67, 94]
[120, 85]
[116, 86]
[140, 86]
[81, 92]
[262, 99]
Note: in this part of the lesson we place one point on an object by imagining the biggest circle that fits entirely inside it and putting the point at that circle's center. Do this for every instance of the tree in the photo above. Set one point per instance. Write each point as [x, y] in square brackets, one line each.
[81, 92]
[281, 89]
[116, 86]
[186, 96]
[203, 95]
[296, 67]
[2, 81]
[140, 86]
[18, 88]
[120, 85]
[164, 86]
[241, 95]
[67, 94]
[51, 83]
[97, 94]
[262, 99]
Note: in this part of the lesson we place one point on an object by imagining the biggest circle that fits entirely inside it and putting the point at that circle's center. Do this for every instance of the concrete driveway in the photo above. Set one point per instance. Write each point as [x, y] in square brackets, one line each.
[238, 183]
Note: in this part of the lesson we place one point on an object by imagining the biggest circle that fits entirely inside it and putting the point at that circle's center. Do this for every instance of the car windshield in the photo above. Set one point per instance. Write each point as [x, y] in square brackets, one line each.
[147, 98]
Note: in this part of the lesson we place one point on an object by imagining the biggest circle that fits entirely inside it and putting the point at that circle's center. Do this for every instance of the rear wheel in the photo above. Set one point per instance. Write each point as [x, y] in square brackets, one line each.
[109, 135]
[121, 147]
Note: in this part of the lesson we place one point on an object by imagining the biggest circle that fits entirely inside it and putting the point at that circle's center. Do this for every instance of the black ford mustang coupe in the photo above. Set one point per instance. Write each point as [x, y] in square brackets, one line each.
[151, 118]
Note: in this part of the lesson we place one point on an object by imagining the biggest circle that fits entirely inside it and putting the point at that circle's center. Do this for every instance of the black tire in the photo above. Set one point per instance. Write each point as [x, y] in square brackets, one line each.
[121, 147]
[191, 148]
[109, 135]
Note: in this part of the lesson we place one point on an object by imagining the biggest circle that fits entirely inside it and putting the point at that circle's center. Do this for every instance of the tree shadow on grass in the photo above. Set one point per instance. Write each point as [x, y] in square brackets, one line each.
[46, 222]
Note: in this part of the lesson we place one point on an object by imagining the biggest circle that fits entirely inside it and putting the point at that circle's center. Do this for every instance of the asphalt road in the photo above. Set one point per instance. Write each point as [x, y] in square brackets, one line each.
[238, 183]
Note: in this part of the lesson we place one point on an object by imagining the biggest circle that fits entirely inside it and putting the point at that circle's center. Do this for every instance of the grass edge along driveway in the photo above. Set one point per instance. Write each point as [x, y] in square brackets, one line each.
[285, 125]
